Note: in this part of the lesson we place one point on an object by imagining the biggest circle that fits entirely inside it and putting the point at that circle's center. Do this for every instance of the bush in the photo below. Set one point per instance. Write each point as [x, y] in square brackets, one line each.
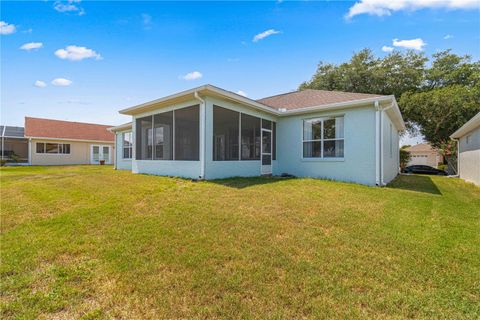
[2, 162]
[442, 167]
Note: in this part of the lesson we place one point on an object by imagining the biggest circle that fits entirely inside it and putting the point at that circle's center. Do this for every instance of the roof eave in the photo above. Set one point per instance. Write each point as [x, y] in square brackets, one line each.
[205, 89]
[467, 127]
[121, 127]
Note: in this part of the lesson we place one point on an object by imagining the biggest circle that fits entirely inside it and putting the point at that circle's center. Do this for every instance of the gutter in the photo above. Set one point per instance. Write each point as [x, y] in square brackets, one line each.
[203, 118]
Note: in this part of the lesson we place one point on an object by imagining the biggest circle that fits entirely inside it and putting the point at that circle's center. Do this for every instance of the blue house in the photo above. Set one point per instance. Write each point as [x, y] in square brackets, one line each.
[211, 133]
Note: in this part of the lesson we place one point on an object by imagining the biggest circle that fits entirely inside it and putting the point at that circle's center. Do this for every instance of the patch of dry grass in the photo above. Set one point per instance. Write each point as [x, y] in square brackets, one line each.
[92, 242]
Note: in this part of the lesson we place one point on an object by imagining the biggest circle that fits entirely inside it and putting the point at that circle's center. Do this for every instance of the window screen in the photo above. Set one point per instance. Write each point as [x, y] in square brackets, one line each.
[250, 137]
[144, 138]
[187, 133]
[163, 136]
[274, 138]
[225, 134]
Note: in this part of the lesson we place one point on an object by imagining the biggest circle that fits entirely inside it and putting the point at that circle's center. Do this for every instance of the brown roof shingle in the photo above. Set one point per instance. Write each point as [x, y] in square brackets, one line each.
[312, 98]
[47, 128]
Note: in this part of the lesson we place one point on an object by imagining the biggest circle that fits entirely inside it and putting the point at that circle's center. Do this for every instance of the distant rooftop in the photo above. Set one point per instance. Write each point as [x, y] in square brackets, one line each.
[47, 128]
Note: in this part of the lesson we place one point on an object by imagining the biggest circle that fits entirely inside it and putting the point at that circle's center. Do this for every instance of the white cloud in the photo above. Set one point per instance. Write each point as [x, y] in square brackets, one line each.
[242, 93]
[386, 7]
[415, 44]
[6, 28]
[192, 76]
[40, 84]
[31, 46]
[448, 36]
[387, 49]
[75, 53]
[70, 6]
[61, 82]
[265, 34]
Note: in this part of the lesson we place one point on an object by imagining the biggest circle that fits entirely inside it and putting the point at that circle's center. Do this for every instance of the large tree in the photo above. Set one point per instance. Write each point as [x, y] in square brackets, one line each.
[434, 100]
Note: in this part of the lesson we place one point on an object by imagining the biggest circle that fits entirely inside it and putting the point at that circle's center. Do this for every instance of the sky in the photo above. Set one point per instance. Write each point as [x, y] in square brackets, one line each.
[85, 60]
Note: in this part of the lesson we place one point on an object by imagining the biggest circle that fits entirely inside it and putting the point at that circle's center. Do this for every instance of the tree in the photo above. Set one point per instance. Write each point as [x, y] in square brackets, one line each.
[434, 100]
[405, 157]
[439, 112]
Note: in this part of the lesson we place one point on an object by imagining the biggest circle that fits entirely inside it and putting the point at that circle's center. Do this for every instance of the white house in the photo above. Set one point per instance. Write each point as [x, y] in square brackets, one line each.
[468, 137]
[210, 133]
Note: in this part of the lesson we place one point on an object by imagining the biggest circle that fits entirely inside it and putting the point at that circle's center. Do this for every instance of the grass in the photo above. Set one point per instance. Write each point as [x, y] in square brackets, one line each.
[93, 243]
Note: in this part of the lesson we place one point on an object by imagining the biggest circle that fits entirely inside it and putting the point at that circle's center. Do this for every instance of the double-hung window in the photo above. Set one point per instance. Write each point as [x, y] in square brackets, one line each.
[127, 145]
[323, 137]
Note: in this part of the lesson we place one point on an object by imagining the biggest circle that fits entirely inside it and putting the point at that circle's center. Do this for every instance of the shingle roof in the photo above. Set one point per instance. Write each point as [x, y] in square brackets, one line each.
[312, 98]
[47, 128]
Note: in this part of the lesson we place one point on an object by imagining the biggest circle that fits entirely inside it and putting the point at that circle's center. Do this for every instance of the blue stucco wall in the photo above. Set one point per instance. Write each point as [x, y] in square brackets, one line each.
[390, 159]
[121, 164]
[358, 164]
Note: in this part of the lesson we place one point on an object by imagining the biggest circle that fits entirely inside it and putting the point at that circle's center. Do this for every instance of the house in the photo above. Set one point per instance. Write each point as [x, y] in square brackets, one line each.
[55, 142]
[14, 145]
[424, 154]
[210, 133]
[468, 139]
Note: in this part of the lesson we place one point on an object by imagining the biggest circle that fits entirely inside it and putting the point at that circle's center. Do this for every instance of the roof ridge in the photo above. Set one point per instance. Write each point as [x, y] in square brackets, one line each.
[319, 90]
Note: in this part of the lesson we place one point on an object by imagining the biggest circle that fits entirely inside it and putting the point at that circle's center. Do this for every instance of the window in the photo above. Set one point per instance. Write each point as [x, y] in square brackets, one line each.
[323, 138]
[144, 139]
[163, 136]
[40, 147]
[467, 139]
[225, 134]
[172, 135]
[250, 137]
[187, 133]
[53, 148]
[127, 145]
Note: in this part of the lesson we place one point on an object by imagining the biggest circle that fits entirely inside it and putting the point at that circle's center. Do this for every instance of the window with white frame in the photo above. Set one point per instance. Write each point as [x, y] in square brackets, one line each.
[127, 145]
[323, 137]
[53, 148]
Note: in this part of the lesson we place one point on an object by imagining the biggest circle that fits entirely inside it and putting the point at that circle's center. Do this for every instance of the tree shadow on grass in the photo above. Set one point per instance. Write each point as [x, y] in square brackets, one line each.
[417, 183]
[246, 182]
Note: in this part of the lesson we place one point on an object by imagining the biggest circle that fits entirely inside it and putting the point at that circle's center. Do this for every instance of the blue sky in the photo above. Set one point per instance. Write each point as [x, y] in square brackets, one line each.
[131, 52]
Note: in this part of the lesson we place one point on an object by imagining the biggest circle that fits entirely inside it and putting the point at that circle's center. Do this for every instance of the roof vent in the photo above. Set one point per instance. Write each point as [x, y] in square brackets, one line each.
[282, 109]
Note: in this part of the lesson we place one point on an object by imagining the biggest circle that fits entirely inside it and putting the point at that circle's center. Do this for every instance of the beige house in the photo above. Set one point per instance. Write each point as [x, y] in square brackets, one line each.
[424, 154]
[55, 142]
[468, 138]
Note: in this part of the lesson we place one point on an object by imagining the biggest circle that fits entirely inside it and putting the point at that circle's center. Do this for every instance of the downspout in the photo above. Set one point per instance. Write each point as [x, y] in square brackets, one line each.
[30, 151]
[115, 153]
[202, 134]
[377, 144]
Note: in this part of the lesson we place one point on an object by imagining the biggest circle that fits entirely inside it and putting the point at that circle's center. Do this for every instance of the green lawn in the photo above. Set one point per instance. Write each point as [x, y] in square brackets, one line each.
[90, 242]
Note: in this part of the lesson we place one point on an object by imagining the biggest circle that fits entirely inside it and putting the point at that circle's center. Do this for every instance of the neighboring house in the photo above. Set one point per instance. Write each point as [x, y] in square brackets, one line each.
[55, 142]
[210, 133]
[424, 154]
[468, 137]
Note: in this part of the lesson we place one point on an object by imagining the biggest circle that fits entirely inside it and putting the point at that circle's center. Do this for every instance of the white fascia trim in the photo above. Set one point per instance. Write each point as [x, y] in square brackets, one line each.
[121, 127]
[74, 140]
[467, 127]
